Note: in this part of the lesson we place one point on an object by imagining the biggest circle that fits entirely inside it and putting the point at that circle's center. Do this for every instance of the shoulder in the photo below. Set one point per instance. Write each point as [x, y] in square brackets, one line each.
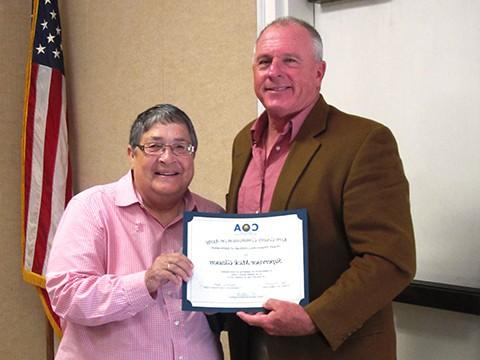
[340, 119]
[96, 191]
[353, 130]
[97, 196]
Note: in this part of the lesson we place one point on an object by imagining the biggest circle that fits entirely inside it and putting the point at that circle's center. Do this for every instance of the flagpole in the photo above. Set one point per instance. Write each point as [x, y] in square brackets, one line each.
[49, 339]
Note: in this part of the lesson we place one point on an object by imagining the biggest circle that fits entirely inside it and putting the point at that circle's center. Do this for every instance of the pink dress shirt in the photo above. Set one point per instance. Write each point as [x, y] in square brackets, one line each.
[95, 279]
[258, 184]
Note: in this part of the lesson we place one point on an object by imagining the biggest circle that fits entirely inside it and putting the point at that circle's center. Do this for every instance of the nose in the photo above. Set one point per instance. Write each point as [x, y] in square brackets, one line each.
[275, 68]
[166, 154]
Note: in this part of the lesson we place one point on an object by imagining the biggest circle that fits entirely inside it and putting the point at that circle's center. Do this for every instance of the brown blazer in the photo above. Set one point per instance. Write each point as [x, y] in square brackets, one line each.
[346, 171]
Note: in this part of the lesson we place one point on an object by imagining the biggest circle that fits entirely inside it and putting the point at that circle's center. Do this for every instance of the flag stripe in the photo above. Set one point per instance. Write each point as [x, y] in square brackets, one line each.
[37, 176]
[49, 155]
[28, 140]
[60, 176]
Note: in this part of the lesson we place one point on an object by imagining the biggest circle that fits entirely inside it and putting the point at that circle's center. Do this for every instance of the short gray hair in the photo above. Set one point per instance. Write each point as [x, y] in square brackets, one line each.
[163, 114]
[290, 20]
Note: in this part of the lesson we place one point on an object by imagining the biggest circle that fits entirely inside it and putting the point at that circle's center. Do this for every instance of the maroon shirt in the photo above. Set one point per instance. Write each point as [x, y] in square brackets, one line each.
[258, 184]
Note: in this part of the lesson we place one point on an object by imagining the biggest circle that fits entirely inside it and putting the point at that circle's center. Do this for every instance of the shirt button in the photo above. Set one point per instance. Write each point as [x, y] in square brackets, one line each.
[176, 322]
[180, 357]
[277, 147]
[169, 293]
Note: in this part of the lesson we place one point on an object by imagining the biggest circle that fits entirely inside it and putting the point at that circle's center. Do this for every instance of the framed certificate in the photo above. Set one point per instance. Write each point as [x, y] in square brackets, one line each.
[240, 261]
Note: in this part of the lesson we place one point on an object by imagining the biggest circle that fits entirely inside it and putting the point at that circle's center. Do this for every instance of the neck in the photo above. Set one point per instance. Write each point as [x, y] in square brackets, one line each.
[277, 119]
[166, 212]
[276, 124]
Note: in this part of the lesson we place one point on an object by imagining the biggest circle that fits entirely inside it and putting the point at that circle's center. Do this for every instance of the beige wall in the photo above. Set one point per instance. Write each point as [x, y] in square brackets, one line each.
[125, 56]
[121, 57]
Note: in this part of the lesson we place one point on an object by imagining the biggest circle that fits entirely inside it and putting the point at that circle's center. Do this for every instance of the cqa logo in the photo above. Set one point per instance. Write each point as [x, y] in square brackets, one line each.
[246, 227]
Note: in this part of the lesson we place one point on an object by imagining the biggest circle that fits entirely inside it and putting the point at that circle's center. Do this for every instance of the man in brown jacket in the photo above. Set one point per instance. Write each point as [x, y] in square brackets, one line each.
[346, 171]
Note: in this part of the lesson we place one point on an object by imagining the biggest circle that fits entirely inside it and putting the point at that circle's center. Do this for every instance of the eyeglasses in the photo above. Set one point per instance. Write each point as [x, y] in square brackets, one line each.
[178, 149]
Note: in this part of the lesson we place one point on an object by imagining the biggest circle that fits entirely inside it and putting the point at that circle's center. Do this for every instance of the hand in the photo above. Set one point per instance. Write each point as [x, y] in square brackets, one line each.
[173, 267]
[283, 319]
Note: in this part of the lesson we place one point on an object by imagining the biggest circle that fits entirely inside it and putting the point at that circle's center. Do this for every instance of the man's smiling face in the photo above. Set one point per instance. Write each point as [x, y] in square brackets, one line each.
[162, 177]
[287, 76]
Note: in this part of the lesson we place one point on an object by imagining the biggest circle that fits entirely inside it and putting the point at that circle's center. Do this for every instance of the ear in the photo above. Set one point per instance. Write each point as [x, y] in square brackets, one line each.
[131, 155]
[320, 73]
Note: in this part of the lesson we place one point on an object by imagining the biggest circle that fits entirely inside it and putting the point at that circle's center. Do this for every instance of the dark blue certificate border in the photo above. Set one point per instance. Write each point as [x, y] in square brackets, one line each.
[188, 216]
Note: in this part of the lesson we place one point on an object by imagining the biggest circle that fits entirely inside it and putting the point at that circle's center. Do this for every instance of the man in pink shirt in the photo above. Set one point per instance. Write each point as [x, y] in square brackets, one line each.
[116, 265]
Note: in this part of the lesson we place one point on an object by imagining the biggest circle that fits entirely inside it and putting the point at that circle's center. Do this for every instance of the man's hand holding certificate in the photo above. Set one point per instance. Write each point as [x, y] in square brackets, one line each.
[242, 261]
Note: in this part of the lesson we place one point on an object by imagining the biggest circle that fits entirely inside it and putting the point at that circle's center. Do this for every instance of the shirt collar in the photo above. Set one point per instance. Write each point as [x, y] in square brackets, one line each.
[125, 194]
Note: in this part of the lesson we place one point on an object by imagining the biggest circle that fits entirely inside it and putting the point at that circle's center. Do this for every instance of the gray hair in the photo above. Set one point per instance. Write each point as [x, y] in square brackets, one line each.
[162, 114]
[290, 20]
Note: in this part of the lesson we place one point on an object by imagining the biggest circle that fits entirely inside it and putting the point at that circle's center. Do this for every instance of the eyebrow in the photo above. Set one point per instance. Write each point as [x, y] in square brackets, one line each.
[161, 138]
[268, 56]
[292, 55]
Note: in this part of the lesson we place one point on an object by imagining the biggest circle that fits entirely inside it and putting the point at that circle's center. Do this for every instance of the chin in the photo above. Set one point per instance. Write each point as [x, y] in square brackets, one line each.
[278, 111]
[171, 190]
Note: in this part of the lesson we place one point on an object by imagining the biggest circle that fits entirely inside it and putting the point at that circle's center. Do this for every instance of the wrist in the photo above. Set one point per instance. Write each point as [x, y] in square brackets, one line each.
[151, 283]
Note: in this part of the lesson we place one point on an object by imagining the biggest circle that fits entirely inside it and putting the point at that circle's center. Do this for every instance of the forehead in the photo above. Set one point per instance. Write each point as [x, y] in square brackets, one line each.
[172, 131]
[284, 39]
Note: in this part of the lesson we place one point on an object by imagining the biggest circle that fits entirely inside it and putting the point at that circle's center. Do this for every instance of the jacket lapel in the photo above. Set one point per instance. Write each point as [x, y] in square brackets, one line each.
[304, 147]
[240, 161]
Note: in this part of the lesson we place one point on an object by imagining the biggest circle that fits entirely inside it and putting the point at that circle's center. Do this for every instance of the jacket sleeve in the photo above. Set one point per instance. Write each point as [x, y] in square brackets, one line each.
[378, 228]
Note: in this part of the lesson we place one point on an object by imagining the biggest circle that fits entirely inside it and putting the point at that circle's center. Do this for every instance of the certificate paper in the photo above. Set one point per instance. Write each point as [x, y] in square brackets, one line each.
[241, 260]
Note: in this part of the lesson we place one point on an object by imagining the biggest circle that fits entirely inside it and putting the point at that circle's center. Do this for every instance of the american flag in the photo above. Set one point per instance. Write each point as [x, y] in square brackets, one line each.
[46, 172]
